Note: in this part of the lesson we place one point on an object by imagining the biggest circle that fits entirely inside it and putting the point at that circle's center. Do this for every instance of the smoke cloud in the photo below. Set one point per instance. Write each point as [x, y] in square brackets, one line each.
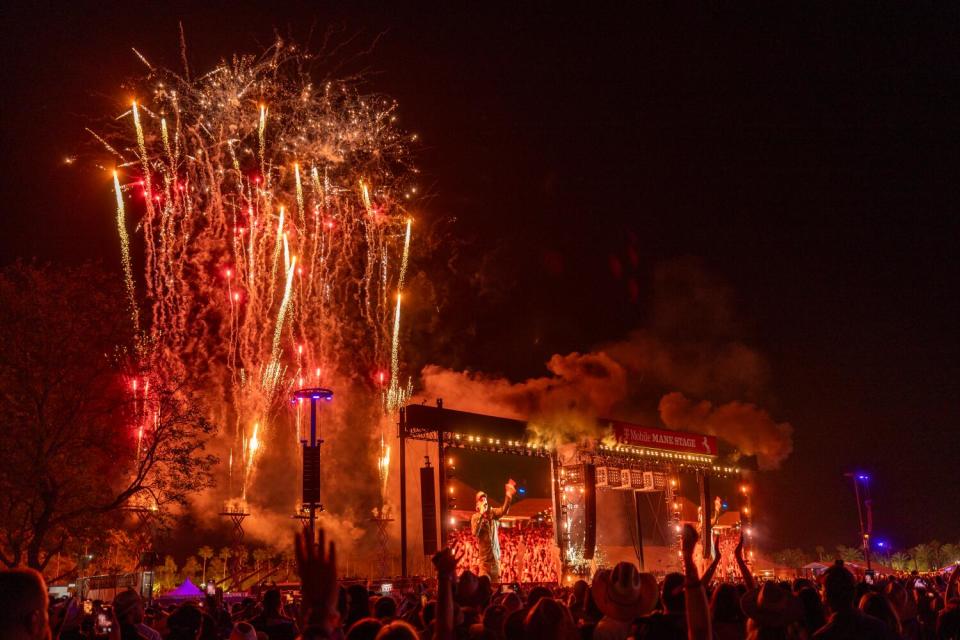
[589, 383]
[350, 427]
[690, 349]
[561, 407]
[693, 341]
[747, 425]
[700, 367]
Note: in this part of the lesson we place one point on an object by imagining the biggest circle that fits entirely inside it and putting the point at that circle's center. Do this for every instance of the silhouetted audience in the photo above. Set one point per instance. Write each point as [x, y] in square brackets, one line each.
[618, 604]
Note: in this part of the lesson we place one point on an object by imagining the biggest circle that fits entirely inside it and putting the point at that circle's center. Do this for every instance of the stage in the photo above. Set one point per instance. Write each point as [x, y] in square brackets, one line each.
[647, 482]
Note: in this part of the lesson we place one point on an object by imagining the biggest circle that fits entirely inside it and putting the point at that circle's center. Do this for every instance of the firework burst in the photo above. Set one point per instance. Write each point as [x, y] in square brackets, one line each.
[275, 247]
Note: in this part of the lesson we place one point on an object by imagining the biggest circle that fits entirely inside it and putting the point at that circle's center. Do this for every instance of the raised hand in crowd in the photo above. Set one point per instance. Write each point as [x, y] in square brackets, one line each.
[742, 564]
[698, 610]
[708, 574]
[317, 566]
[446, 565]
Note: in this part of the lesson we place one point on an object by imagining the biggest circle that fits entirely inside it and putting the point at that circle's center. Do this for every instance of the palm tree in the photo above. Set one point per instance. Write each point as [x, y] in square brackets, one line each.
[120, 542]
[167, 574]
[936, 554]
[216, 566]
[286, 557]
[190, 569]
[206, 553]
[242, 556]
[921, 557]
[792, 558]
[795, 558]
[900, 561]
[259, 555]
[849, 554]
[224, 554]
[951, 553]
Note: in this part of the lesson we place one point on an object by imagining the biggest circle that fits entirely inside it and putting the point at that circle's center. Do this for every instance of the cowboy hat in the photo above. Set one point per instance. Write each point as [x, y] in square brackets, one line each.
[624, 593]
[771, 605]
[243, 631]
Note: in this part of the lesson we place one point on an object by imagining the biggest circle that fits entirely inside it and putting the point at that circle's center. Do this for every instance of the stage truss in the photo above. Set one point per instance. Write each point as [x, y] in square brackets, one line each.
[450, 429]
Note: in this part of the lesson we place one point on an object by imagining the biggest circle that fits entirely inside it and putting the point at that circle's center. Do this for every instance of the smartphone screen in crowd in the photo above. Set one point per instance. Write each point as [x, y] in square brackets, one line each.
[104, 620]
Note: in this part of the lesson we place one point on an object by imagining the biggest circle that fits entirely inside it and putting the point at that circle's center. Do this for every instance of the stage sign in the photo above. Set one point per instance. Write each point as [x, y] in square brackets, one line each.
[635, 435]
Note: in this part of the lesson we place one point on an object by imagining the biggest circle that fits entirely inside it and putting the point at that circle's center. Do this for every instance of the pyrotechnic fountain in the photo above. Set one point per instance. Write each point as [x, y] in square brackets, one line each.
[275, 241]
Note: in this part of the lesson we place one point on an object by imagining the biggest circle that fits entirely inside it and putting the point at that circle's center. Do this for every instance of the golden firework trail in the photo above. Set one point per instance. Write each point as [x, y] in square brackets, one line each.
[383, 464]
[393, 392]
[253, 445]
[278, 247]
[147, 186]
[296, 170]
[125, 254]
[365, 195]
[272, 375]
[262, 131]
[395, 395]
[166, 137]
[406, 255]
[241, 292]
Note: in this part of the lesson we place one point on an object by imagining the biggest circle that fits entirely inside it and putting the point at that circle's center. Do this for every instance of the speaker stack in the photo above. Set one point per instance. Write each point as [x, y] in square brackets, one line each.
[428, 511]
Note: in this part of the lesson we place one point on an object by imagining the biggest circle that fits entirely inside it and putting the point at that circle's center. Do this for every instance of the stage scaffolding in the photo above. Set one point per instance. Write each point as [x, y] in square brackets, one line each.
[618, 461]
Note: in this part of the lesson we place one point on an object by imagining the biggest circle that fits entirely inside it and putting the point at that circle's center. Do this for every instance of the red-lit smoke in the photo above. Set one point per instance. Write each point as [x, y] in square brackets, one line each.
[748, 426]
[690, 349]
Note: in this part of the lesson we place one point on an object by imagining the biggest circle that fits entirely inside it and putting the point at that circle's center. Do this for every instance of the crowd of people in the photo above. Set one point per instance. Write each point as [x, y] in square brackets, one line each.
[528, 554]
[620, 603]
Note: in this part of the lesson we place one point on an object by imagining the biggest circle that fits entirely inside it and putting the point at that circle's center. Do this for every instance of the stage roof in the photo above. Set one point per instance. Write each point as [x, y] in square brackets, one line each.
[504, 435]
[421, 416]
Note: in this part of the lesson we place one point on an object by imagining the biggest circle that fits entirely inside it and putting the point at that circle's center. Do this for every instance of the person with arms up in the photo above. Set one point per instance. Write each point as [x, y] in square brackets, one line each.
[485, 525]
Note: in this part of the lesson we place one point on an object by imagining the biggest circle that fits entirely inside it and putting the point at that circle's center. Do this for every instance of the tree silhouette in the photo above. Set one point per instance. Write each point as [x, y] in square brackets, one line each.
[950, 553]
[225, 554]
[205, 554]
[935, 553]
[190, 568]
[286, 557]
[920, 554]
[76, 445]
[216, 566]
[849, 554]
[166, 575]
[793, 558]
[900, 561]
[259, 555]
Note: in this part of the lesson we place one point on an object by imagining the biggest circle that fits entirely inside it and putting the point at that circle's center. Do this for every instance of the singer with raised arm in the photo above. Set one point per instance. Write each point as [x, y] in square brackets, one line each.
[485, 526]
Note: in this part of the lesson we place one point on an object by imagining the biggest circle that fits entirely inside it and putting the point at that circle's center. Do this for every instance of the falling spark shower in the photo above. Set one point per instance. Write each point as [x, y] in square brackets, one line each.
[275, 240]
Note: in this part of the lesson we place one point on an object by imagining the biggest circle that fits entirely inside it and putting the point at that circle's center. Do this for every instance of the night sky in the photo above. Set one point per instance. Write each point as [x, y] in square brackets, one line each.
[807, 160]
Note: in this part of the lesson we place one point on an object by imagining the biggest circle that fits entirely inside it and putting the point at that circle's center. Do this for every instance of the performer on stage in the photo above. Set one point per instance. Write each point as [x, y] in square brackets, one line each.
[485, 526]
[717, 512]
